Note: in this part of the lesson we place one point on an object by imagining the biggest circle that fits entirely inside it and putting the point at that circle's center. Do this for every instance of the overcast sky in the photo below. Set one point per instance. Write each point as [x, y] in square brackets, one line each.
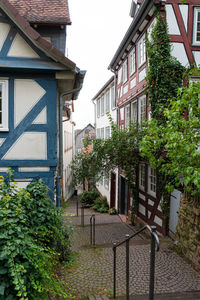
[97, 29]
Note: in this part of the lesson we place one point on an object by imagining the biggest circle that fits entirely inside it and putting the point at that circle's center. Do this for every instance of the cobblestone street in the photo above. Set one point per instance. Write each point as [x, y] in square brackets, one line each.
[92, 272]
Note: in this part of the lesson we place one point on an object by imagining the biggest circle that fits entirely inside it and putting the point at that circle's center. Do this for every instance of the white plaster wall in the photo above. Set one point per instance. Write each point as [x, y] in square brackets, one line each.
[184, 12]
[68, 154]
[27, 93]
[30, 145]
[197, 57]
[4, 29]
[103, 121]
[171, 20]
[20, 48]
[178, 51]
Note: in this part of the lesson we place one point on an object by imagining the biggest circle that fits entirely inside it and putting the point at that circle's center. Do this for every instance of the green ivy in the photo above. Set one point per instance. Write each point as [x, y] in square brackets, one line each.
[30, 230]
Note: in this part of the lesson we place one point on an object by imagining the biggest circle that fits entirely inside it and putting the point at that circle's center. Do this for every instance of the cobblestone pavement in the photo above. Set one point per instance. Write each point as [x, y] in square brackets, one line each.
[93, 271]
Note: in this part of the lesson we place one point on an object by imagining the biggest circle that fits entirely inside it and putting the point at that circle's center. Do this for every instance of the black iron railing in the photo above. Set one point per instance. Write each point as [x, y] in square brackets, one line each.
[82, 215]
[92, 231]
[154, 241]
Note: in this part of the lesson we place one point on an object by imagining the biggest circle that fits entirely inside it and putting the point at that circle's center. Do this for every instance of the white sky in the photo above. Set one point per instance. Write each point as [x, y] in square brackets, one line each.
[98, 26]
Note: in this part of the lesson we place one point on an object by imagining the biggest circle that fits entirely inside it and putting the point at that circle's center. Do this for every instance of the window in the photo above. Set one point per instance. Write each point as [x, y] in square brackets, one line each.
[119, 78]
[127, 115]
[196, 30]
[142, 177]
[134, 112]
[102, 105]
[124, 71]
[98, 133]
[3, 105]
[107, 132]
[122, 114]
[107, 101]
[152, 181]
[102, 133]
[98, 108]
[132, 62]
[113, 97]
[142, 109]
[141, 51]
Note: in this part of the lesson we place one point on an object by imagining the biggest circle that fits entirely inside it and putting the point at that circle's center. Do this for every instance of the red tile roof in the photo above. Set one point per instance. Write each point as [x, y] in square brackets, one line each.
[43, 11]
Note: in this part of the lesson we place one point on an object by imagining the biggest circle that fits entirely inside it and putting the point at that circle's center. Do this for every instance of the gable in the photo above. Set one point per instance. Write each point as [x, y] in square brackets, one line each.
[17, 51]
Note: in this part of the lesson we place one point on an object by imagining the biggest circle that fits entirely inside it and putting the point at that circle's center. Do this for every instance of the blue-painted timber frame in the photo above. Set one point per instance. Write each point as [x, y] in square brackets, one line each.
[42, 70]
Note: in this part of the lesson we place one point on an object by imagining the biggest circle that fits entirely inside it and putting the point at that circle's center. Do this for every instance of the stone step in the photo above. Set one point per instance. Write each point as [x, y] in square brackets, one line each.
[98, 297]
[169, 296]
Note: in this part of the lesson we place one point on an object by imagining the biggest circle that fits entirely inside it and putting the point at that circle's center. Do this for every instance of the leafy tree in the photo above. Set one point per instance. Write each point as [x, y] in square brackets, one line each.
[174, 148]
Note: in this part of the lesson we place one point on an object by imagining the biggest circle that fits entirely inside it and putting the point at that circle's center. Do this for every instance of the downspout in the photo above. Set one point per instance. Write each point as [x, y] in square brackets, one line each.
[60, 169]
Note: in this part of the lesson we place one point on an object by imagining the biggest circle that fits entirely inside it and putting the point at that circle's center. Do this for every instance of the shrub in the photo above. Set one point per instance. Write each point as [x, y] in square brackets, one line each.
[101, 205]
[29, 237]
[112, 211]
[88, 197]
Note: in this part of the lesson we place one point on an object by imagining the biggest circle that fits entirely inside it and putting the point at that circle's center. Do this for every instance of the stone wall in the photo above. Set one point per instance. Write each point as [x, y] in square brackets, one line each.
[188, 231]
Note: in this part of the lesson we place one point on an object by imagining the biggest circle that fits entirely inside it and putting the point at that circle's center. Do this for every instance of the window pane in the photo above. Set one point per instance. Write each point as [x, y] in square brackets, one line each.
[107, 101]
[113, 97]
[134, 112]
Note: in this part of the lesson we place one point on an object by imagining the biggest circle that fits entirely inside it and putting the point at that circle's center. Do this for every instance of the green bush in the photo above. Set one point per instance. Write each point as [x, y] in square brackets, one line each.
[30, 233]
[112, 211]
[101, 205]
[88, 197]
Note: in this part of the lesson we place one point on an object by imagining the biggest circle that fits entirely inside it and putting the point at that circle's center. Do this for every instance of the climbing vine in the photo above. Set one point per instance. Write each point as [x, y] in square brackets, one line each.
[164, 77]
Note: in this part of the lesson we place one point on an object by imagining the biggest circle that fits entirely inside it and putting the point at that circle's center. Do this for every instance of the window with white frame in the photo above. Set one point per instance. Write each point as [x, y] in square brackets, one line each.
[142, 109]
[107, 99]
[141, 51]
[196, 29]
[98, 133]
[122, 114]
[152, 181]
[102, 105]
[127, 115]
[102, 133]
[119, 76]
[125, 71]
[132, 62]
[98, 108]
[134, 112]
[107, 132]
[142, 177]
[113, 97]
[3, 105]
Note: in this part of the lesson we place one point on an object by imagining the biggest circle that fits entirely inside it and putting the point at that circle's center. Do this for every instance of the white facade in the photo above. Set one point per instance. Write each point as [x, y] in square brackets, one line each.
[104, 103]
[68, 154]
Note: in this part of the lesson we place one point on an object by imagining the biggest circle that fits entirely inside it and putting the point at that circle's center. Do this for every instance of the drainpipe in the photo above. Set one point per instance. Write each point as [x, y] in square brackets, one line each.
[60, 169]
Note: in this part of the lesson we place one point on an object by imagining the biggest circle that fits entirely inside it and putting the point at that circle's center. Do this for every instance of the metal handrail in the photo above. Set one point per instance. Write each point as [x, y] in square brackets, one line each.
[154, 240]
[92, 231]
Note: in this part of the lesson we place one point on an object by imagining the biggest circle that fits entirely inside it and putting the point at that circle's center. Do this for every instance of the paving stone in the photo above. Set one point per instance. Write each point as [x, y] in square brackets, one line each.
[93, 271]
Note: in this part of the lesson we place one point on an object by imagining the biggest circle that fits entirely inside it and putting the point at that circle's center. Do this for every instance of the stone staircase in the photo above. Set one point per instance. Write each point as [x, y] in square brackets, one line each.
[170, 296]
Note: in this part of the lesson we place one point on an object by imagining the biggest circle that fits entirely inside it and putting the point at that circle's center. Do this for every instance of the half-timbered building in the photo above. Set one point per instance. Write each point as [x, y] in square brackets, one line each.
[129, 65]
[35, 80]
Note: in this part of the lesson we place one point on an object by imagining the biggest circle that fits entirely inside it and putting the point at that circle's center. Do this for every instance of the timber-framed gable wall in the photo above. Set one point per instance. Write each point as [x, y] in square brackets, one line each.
[130, 64]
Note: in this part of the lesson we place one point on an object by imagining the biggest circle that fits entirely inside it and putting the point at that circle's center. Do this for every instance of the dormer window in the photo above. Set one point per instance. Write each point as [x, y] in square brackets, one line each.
[3, 105]
[196, 29]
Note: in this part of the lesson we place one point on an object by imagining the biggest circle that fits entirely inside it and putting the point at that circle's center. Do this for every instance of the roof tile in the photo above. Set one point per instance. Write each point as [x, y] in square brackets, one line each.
[43, 11]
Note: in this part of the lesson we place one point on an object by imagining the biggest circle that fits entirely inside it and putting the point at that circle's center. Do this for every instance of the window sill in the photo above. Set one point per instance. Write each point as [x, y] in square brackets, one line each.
[4, 129]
